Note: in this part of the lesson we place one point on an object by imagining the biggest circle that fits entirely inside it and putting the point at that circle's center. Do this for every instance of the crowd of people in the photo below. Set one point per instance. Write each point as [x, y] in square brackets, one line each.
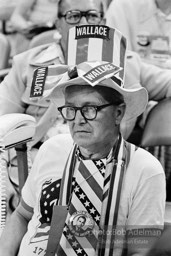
[96, 88]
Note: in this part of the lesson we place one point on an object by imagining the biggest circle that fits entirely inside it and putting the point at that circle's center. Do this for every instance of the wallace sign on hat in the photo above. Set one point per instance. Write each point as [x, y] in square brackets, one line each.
[92, 31]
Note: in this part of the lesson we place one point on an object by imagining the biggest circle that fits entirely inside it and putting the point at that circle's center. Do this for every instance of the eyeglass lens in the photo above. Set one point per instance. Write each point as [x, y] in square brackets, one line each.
[88, 112]
[74, 17]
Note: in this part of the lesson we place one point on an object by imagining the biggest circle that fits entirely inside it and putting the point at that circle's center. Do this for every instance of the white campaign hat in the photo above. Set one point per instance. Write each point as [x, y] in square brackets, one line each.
[96, 56]
[135, 99]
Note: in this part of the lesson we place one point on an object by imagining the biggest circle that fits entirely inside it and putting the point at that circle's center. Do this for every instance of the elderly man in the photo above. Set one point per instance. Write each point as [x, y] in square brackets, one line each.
[112, 183]
[16, 87]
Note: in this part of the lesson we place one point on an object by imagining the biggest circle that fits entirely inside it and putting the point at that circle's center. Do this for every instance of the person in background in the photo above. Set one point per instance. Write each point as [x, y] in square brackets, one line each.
[119, 188]
[28, 19]
[7, 8]
[140, 18]
[147, 26]
[35, 12]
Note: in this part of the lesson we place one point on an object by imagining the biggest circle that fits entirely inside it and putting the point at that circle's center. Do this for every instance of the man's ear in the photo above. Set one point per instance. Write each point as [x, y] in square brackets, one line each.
[119, 113]
[57, 34]
[103, 22]
[57, 24]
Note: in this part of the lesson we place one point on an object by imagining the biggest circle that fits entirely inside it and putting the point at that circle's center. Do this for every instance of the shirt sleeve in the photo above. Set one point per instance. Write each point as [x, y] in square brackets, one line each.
[147, 203]
[30, 186]
[148, 192]
[48, 164]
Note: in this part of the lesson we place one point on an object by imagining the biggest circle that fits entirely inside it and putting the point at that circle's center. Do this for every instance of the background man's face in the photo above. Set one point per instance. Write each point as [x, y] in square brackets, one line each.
[82, 5]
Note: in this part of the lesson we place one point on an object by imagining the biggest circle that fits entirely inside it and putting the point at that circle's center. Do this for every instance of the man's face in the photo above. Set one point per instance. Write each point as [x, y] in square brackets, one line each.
[81, 5]
[91, 135]
[80, 222]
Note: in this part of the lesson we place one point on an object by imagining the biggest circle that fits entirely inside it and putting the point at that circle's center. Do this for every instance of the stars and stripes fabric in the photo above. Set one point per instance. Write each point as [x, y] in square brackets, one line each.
[96, 191]
[111, 199]
[86, 201]
[106, 184]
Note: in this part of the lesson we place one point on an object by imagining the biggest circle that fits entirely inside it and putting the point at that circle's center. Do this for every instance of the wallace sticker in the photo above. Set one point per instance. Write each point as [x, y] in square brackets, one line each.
[38, 82]
[87, 31]
[100, 72]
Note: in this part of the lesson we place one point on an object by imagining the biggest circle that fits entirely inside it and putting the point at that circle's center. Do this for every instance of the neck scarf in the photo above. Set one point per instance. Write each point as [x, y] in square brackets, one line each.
[96, 198]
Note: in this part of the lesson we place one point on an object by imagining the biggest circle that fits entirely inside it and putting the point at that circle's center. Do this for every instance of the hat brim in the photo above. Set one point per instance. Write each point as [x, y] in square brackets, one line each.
[135, 99]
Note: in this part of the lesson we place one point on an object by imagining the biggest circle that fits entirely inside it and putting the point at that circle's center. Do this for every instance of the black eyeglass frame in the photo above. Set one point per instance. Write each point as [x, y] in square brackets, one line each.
[97, 109]
[82, 14]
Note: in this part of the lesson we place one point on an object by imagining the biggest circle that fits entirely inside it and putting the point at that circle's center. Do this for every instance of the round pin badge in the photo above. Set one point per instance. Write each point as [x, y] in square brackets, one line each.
[81, 223]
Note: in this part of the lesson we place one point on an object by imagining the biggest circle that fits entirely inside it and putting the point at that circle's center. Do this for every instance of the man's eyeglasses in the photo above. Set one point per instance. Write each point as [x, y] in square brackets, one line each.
[89, 112]
[74, 17]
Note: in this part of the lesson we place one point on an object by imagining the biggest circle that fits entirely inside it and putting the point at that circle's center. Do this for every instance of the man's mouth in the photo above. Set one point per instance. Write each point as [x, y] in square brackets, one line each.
[82, 131]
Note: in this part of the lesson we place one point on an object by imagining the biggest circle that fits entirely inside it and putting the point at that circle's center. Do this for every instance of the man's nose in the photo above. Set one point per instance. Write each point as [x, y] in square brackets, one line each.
[79, 118]
[83, 20]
